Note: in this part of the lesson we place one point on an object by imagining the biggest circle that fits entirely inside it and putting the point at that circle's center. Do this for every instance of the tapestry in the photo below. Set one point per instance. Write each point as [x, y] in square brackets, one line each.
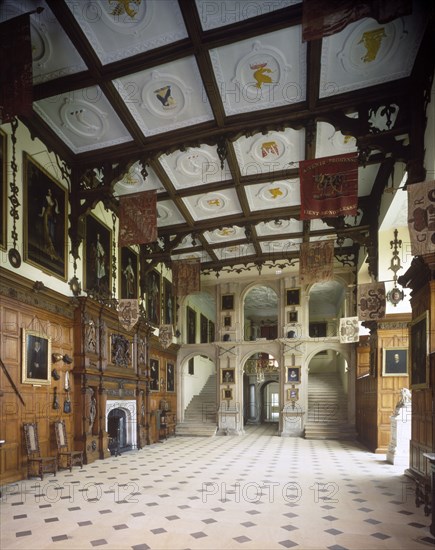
[138, 218]
[371, 301]
[186, 276]
[349, 330]
[320, 18]
[329, 186]
[16, 68]
[421, 217]
[165, 335]
[316, 262]
[128, 313]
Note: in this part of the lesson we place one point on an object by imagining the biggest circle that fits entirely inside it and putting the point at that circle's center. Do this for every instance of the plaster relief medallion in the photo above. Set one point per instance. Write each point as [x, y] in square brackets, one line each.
[270, 148]
[194, 162]
[83, 118]
[122, 16]
[162, 212]
[273, 192]
[212, 202]
[369, 45]
[165, 96]
[225, 232]
[343, 143]
[41, 45]
[278, 225]
[259, 72]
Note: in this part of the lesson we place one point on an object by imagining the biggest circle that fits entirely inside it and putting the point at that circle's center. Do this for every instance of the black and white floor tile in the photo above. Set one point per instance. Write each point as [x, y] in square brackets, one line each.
[257, 491]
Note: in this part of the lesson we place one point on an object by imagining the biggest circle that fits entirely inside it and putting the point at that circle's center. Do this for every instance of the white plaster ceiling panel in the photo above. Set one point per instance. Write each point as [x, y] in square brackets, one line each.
[134, 181]
[83, 119]
[318, 225]
[271, 152]
[194, 166]
[214, 14]
[213, 204]
[235, 251]
[167, 97]
[225, 234]
[261, 73]
[276, 227]
[53, 53]
[168, 214]
[331, 142]
[263, 196]
[185, 243]
[366, 53]
[280, 246]
[117, 30]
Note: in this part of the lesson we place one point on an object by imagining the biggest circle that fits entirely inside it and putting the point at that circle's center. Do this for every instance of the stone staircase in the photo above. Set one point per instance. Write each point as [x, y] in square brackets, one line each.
[327, 408]
[200, 414]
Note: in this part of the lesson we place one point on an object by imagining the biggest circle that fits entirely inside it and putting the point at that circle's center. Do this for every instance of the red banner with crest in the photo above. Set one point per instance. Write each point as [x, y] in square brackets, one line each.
[329, 186]
[138, 218]
[186, 276]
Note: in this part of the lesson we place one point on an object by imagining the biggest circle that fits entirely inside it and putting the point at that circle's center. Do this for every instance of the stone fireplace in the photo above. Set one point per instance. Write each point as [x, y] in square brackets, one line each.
[121, 424]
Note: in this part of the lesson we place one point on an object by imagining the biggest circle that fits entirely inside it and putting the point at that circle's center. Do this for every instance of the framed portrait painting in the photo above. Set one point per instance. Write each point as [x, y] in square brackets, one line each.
[168, 302]
[170, 377]
[293, 296]
[394, 361]
[191, 325]
[36, 358]
[292, 394]
[227, 376]
[419, 346]
[3, 187]
[227, 393]
[154, 375]
[293, 375]
[128, 274]
[98, 256]
[228, 302]
[153, 296]
[45, 215]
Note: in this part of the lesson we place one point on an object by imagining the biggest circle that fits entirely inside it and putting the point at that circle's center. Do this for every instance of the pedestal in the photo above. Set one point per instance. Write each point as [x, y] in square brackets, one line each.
[230, 420]
[398, 449]
[292, 422]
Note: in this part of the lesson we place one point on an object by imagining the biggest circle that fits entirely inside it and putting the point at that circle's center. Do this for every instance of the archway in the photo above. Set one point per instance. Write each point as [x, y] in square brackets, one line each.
[326, 306]
[328, 397]
[260, 313]
[261, 377]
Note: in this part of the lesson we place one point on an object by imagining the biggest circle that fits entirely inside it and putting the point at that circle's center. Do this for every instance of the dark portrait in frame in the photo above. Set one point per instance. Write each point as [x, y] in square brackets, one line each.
[153, 296]
[3, 187]
[292, 317]
[395, 362]
[227, 376]
[203, 321]
[292, 394]
[228, 302]
[128, 275]
[419, 351]
[98, 256]
[191, 325]
[293, 296]
[227, 393]
[45, 215]
[154, 375]
[36, 354]
[293, 375]
[170, 377]
[168, 301]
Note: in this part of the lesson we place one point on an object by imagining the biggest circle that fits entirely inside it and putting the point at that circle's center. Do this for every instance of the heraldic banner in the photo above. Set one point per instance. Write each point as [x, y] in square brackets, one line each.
[329, 186]
[349, 330]
[371, 301]
[138, 218]
[421, 217]
[320, 18]
[165, 335]
[16, 68]
[186, 276]
[316, 262]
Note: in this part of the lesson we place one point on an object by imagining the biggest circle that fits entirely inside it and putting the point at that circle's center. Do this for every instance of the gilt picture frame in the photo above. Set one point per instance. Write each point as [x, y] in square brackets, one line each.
[419, 351]
[98, 257]
[36, 358]
[45, 210]
[129, 274]
[3, 190]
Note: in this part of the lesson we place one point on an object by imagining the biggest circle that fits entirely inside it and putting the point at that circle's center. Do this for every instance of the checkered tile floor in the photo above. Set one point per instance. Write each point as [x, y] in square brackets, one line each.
[257, 491]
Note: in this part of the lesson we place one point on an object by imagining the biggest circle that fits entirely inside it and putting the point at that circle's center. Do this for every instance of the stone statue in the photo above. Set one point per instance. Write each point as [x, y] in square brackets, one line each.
[404, 401]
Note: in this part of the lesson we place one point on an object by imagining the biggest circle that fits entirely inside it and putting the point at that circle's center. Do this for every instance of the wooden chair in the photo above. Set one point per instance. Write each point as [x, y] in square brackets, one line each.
[45, 464]
[73, 458]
